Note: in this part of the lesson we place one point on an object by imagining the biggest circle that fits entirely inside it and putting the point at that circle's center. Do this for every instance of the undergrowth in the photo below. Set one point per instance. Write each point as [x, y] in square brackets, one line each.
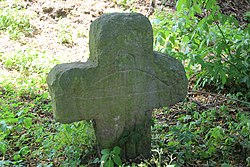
[192, 137]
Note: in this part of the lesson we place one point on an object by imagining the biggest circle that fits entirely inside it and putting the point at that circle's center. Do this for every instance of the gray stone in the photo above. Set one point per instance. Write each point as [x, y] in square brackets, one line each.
[119, 85]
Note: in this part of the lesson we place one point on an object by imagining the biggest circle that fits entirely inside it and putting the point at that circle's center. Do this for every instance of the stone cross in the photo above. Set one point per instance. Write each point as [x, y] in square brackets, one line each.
[119, 85]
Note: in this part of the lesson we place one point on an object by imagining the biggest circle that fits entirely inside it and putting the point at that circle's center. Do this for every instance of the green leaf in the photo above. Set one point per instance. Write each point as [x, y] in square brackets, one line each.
[105, 151]
[209, 4]
[104, 158]
[116, 150]
[24, 151]
[27, 122]
[162, 34]
[205, 27]
[160, 40]
[197, 9]
[117, 160]
[216, 17]
[200, 61]
[17, 157]
[217, 133]
[219, 48]
[11, 120]
[172, 39]
[211, 150]
[3, 148]
[209, 21]
[185, 39]
[223, 19]
[68, 128]
[226, 165]
[180, 4]
[96, 161]
[188, 3]
[172, 143]
[109, 163]
[214, 10]
[223, 77]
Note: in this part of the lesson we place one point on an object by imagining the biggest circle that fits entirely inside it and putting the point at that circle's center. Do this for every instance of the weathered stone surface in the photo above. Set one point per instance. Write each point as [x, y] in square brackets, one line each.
[119, 85]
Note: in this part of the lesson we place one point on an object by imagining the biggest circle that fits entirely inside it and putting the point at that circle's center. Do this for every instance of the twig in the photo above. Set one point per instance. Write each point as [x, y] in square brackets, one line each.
[222, 96]
[227, 49]
[151, 7]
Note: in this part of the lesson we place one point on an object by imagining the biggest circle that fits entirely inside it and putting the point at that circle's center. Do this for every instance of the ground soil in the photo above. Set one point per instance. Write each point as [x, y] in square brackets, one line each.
[53, 18]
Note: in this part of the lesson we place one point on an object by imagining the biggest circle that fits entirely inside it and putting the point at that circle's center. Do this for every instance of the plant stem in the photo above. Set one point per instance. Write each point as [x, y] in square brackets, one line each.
[227, 49]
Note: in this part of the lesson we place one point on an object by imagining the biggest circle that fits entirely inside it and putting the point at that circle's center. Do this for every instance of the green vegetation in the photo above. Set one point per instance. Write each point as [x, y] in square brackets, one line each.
[213, 136]
[27, 129]
[215, 51]
[28, 61]
[111, 157]
[16, 22]
[65, 34]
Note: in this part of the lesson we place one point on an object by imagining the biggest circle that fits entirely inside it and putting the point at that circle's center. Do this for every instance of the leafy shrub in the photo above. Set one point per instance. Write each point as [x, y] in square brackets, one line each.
[214, 49]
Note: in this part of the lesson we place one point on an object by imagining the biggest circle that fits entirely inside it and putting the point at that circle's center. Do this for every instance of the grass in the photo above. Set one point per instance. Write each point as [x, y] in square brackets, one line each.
[16, 22]
[65, 34]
